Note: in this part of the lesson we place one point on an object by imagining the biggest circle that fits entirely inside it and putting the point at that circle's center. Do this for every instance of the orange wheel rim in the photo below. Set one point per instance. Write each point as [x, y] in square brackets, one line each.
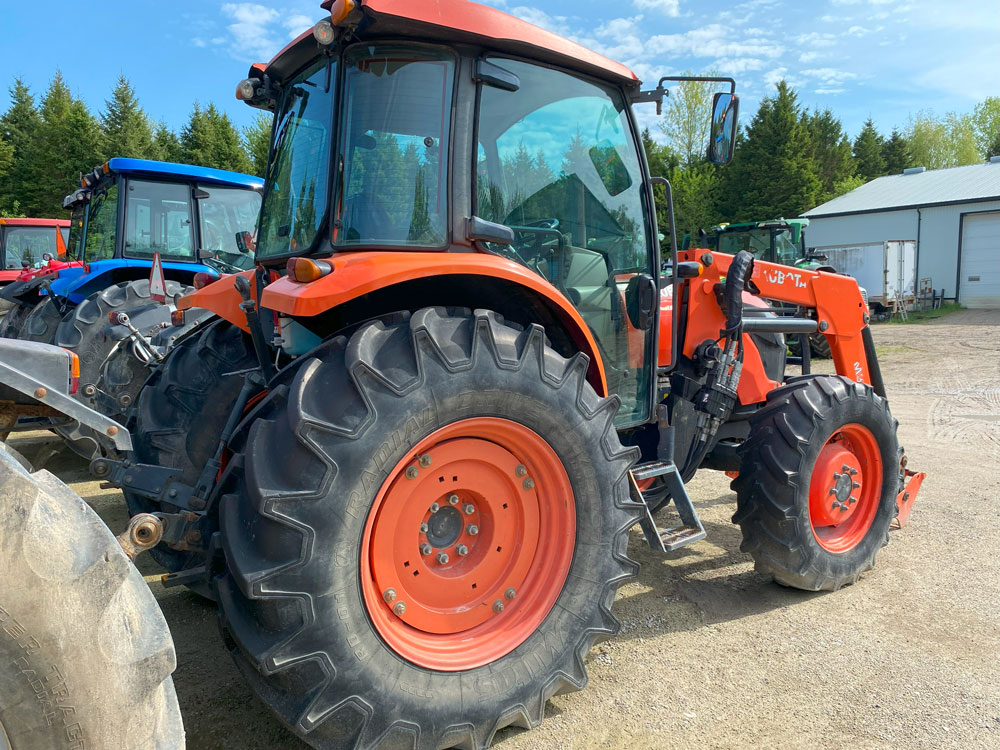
[468, 544]
[846, 488]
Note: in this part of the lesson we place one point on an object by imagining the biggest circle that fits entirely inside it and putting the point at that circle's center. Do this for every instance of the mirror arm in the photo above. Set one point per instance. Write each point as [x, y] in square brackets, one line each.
[706, 79]
[656, 96]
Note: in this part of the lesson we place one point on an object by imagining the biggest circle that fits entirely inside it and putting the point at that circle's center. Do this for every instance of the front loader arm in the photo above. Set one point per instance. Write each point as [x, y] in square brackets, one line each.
[840, 310]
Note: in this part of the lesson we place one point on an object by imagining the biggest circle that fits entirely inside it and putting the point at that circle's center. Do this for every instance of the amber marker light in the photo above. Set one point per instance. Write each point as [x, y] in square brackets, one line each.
[177, 318]
[340, 10]
[304, 270]
[74, 371]
[690, 269]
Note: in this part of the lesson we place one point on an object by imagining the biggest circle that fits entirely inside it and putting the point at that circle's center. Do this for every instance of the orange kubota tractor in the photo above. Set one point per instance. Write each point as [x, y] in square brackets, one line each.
[406, 458]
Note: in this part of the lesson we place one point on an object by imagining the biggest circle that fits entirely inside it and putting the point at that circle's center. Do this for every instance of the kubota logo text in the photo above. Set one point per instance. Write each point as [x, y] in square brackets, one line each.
[785, 277]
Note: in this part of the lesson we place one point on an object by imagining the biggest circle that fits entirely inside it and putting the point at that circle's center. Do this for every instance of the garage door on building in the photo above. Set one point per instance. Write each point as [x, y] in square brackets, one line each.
[979, 282]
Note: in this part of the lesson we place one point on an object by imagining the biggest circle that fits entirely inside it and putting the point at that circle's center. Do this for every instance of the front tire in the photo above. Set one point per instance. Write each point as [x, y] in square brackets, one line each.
[344, 623]
[818, 481]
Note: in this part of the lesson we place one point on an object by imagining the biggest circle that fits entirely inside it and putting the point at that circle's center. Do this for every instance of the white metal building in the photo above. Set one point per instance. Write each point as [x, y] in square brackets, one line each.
[952, 214]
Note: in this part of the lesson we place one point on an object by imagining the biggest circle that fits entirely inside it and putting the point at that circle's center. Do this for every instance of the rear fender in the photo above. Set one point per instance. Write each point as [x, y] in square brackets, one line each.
[105, 273]
[221, 298]
[444, 277]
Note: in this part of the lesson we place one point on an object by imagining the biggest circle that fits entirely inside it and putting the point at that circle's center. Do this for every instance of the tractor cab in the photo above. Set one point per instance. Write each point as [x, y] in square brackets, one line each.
[127, 210]
[29, 243]
[779, 241]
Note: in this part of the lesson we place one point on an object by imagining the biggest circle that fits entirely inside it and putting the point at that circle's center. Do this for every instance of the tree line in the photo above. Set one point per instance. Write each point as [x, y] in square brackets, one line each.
[47, 142]
[789, 159]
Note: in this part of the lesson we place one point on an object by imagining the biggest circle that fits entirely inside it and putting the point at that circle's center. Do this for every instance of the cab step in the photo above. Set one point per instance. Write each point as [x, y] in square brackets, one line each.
[666, 540]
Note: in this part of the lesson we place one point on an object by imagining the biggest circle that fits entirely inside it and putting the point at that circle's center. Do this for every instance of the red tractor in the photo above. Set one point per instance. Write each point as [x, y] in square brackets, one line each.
[406, 458]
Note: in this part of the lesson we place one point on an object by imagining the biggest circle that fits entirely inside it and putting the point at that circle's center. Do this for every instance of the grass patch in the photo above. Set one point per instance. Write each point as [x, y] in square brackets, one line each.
[922, 316]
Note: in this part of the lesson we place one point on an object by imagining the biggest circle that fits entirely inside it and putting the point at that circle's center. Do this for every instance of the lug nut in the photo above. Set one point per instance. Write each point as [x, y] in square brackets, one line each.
[389, 596]
[425, 549]
[435, 507]
[462, 550]
[472, 529]
[423, 528]
[510, 594]
[498, 606]
[520, 470]
[529, 483]
[411, 472]
[443, 558]
[453, 499]
[469, 509]
[400, 609]
[425, 460]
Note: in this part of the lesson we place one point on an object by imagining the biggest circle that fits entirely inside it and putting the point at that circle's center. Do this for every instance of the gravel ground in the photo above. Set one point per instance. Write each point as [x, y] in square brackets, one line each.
[715, 655]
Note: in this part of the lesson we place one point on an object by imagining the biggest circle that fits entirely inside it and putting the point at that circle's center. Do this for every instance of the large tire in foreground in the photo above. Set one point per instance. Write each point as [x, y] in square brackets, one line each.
[818, 482]
[85, 650]
[450, 430]
[83, 331]
[41, 323]
[182, 411]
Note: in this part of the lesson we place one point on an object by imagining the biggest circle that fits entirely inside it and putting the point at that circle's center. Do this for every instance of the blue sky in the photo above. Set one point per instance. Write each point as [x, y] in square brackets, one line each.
[883, 58]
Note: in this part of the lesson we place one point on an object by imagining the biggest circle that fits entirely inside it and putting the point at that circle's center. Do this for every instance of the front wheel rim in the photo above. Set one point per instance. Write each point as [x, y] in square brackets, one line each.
[845, 489]
[468, 544]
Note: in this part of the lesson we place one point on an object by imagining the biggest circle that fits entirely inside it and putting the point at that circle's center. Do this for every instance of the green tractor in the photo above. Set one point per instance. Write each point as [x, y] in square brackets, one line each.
[780, 241]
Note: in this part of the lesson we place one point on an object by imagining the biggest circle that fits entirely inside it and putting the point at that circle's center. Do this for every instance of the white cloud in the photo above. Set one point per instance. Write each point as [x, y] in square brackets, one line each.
[667, 7]
[816, 39]
[830, 75]
[296, 24]
[825, 92]
[730, 66]
[808, 57]
[252, 30]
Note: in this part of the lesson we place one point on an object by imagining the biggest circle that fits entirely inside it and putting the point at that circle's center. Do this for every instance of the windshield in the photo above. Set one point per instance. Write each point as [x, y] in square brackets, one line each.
[74, 245]
[558, 163]
[225, 212]
[297, 185]
[756, 241]
[395, 145]
[28, 244]
[102, 225]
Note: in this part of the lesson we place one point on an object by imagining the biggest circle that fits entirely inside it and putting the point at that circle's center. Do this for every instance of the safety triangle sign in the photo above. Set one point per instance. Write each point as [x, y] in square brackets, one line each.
[157, 282]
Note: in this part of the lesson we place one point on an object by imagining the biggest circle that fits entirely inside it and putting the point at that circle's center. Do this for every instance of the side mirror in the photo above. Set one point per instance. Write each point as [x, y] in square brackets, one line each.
[245, 243]
[725, 120]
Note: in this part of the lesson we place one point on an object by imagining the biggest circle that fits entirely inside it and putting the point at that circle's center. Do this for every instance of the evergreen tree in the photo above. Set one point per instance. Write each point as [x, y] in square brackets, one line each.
[831, 150]
[166, 144]
[210, 140]
[773, 174]
[868, 152]
[70, 138]
[896, 153]
[257, 141]
[19, 127]
[127, 131]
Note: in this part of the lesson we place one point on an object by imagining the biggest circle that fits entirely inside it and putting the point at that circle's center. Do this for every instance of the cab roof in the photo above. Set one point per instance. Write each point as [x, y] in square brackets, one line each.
[205, 175]
[471, 23]
[34, 222]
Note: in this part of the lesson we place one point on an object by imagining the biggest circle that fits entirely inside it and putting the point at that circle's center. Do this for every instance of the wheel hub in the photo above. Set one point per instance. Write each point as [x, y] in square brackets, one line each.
[468, 544]
[841, 506]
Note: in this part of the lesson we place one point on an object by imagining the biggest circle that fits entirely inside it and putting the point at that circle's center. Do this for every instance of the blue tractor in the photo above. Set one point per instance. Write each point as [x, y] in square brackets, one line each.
[125, 212]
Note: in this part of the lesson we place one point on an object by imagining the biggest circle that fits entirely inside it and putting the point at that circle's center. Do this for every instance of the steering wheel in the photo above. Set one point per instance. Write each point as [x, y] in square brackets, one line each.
[531, 241]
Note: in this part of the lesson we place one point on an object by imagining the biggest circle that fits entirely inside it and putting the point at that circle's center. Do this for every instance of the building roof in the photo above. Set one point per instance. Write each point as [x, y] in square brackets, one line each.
[970, 184]
[34, 222]
[469, 22]
[205, 175]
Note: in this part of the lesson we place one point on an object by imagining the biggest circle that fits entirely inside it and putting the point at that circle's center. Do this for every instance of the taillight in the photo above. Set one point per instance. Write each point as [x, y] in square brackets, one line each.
[305, 270]
[204, 278]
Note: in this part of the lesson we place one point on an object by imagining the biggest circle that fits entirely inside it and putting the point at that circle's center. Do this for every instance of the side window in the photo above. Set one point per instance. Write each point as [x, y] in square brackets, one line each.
[225, 212]
[395, 146]
[102, 224]
[158, 218]
[786, 251]
[558, 163]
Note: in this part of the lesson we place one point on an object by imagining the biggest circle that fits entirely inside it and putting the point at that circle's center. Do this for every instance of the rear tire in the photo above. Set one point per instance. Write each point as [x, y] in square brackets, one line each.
[302, 603]
[181, 413]
[86, 652]
[41, 323]
[805, 519]
[83, 331]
